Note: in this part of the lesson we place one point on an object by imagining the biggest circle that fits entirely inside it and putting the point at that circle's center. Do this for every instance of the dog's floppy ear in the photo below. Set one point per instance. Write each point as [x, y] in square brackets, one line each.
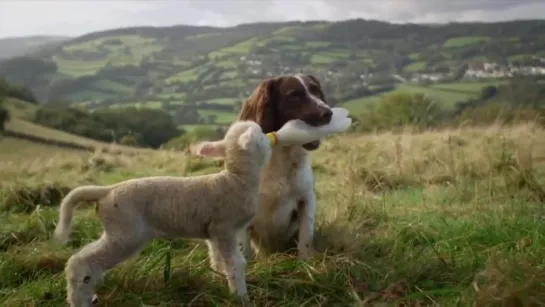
[315, 80]
[259, 107]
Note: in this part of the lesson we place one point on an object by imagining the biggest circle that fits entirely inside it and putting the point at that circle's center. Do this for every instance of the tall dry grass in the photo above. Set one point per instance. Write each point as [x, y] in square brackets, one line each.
[445, 218]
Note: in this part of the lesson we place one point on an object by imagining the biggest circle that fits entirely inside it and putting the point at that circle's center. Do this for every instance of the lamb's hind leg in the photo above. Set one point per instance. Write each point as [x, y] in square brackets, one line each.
[85, 268]
[234, 263]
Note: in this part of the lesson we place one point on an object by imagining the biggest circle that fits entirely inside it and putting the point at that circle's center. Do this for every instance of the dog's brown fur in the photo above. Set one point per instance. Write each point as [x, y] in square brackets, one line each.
[287, 198]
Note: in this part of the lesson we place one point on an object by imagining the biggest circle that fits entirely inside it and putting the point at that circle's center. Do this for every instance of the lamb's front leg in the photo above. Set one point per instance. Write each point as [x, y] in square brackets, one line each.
[216, 261]
[307, 213]
[234, 264]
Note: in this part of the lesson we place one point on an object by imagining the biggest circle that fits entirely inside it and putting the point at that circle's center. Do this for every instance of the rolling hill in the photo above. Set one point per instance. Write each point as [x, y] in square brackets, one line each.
[21, 132]
[206, 72]
[17, 46]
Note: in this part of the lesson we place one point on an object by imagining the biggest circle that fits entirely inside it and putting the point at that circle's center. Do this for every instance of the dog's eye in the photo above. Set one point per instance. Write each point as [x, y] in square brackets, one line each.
[314, 90]
[297, 94]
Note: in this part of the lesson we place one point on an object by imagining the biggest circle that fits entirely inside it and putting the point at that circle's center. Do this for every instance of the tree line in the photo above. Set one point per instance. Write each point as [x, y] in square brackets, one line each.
[129, 126]
[8, 90]
[16, 91]
[4, 113]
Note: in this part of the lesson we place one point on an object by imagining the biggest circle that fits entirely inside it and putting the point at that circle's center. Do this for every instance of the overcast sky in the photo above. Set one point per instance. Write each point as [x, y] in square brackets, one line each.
[75, 17]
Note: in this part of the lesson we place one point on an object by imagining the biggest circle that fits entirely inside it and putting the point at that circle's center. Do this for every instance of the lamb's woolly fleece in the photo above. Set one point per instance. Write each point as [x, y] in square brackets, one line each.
[216, 207]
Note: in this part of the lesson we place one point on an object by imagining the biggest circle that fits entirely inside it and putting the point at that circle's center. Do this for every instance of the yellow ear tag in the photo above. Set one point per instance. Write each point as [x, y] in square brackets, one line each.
[273, 138]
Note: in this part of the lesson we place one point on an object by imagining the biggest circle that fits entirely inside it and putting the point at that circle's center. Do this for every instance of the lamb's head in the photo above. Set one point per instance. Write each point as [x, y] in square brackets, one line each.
[243, 146]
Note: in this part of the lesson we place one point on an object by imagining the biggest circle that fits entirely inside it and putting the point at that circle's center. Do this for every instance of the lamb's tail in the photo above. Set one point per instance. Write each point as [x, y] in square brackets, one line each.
[69, 204]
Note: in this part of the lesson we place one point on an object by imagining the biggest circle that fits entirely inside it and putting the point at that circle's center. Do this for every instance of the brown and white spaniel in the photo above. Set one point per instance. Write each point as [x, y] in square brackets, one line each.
[287, 201]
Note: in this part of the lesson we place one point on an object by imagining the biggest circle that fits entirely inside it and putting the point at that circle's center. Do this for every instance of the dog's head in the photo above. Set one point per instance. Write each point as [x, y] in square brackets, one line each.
[277, 101]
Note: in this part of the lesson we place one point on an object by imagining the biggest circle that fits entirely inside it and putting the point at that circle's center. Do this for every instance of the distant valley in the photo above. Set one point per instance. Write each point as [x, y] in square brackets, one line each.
[201, 75]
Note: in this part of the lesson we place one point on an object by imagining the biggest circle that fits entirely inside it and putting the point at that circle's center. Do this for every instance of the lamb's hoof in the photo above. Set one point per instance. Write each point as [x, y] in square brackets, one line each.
[94, 300]
[306, 253]
[217, 267]
[245, 301]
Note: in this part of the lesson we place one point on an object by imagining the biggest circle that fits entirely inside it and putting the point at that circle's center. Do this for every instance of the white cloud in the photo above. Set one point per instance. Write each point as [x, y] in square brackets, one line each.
[75, 17]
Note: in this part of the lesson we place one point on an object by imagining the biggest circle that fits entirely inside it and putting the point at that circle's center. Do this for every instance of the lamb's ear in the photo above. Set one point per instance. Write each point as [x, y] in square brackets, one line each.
[211, 149]
[245, 138]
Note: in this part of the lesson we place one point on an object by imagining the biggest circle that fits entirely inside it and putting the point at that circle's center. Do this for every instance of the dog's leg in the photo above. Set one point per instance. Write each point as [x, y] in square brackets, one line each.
[307, 212]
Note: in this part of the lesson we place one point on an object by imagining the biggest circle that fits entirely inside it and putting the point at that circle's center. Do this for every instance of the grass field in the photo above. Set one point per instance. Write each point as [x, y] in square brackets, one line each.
[228, 101]
[222, 117]
[465, 40]
[192, 127]
[445, 218]
[237, 49]
[26, 127]
[415, 66]
[445, 93]
[79, 68]
[130, 50]
[358, 105]
[20, 109]
[468, 87]
[186, 75]
[446, 97]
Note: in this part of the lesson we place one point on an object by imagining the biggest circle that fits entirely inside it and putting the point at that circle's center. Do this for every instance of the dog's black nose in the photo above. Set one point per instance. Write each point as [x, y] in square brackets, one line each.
[326, 115]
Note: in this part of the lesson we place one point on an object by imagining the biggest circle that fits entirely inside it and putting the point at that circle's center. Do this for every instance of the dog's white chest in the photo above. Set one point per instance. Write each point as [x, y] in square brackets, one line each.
[286, 180]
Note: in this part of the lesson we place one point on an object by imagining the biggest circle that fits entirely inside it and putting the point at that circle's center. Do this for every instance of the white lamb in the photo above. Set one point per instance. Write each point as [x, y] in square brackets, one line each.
[217, 207]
